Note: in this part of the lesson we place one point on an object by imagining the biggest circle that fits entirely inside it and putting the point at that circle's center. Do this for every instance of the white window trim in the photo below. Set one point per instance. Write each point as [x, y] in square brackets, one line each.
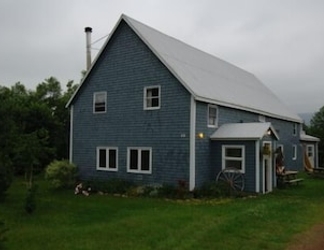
[216, 122]
[224, 158]
[294, 155]
[145, 97]
[94, 102]
[139, 171]
[107, 159]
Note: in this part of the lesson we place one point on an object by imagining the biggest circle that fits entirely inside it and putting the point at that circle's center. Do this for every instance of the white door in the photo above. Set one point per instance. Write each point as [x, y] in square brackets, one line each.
[310, 154]
[267, 169]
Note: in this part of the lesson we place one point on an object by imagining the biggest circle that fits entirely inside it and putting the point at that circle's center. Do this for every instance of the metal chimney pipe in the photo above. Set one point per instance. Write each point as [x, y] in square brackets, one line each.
[88, 31]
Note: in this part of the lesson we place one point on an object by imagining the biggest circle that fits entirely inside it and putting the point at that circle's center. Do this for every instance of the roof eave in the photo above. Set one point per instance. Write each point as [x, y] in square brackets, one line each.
[261, 112]
[235, 139]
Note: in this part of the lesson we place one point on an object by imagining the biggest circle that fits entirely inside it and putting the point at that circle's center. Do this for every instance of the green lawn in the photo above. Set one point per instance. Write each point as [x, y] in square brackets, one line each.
[65, 221]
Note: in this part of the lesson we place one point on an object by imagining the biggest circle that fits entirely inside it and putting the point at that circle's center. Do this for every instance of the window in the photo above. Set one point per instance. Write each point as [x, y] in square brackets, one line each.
[152, 97]
[139, 160]
[107, 158]
[99, 102]
[295, 129]
[233, 157]
[294, 151]
[310, 151]
[212, 116]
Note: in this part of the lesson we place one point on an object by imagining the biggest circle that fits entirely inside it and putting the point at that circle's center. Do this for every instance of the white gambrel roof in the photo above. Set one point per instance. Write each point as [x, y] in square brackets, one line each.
[244, 131]
[209, 78]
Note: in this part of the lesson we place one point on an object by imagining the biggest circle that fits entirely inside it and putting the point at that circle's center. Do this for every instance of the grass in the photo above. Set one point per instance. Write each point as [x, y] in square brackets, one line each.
[63, 220]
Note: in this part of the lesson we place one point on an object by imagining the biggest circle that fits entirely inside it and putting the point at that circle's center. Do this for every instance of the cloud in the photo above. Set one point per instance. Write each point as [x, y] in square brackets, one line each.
[281, 42]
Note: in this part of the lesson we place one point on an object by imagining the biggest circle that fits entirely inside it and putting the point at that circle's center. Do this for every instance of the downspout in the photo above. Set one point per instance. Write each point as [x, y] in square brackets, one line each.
[71, 135]
[192, 164]
[317, 156]
[257, 166]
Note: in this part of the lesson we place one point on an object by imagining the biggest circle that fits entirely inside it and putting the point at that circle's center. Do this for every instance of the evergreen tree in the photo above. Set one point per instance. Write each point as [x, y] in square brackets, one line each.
[316, 129]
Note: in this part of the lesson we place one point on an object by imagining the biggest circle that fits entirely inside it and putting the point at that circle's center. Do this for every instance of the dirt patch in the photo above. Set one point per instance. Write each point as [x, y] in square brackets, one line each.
[310, 240]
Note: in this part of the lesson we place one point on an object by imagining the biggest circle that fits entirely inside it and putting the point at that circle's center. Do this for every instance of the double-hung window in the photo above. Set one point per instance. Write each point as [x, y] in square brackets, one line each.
[139, 160]
[99, 102]
[233, 157]
[152, 97]
[107, 158]
[212, 116]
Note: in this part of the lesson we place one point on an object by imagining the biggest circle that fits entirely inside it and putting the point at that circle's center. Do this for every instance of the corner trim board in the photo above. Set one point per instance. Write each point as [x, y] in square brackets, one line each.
[71, 135]
[192, 165]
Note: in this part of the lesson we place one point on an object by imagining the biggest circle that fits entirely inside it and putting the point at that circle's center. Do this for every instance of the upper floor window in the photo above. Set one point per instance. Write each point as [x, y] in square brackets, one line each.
[152, 97]
[107, 158]
[233, 157]
[139, 160]
[212, 116]
[99, 102]
[295, 129]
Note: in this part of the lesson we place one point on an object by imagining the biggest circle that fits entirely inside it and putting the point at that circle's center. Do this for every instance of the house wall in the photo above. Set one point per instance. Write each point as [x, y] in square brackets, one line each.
[249, 175]
[125, 67]
[284, 130]
[208, 153]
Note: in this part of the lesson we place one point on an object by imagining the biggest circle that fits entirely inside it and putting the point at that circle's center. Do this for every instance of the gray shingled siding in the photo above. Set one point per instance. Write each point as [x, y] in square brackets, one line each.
[123, 70]
[287, 139]
[208, 156]
[249, 175]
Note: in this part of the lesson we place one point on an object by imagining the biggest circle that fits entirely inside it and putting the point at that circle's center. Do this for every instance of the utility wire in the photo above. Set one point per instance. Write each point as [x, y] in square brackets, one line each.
[99, 39]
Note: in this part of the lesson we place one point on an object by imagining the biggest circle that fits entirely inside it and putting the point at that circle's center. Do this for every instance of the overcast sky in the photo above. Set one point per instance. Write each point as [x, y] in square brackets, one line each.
[279, 41]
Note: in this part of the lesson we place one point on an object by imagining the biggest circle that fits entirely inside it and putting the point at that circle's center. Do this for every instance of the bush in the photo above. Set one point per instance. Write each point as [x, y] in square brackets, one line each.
[30, 201]
[61, 174]
[210, 190]
[3, 229]
[5, 176]
[113, 186]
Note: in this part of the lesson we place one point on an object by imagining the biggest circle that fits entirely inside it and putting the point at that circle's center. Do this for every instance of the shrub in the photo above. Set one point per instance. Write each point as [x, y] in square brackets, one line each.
[113, 186]
[3, 229]
[6, 175]
[210, 190]
[30, 201]
[167, 191]
[61, 174]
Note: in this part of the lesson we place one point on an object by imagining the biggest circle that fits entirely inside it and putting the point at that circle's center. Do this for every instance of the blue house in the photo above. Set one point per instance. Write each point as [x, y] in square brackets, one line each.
[154, 110]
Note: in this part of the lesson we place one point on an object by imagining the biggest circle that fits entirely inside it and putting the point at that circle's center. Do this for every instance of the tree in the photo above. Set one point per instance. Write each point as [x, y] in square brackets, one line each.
[7, 136]
[34, 125]
[316, 129]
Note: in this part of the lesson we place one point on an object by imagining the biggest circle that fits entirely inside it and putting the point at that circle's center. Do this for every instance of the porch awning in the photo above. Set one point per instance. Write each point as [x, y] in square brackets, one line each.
[305, 137]
[244, 131]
